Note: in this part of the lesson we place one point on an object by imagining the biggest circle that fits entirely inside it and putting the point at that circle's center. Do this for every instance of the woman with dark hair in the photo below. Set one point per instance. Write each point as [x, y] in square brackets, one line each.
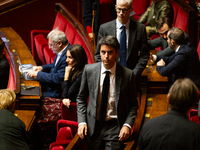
[76, 59]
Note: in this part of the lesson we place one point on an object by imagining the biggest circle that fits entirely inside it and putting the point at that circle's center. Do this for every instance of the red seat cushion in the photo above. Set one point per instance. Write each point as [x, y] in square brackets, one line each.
[40, 42]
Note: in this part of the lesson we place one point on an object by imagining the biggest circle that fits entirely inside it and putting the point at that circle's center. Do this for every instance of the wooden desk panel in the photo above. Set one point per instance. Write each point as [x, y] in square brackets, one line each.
[156, 83]
[159, 105]
[23, 57]
[28, 117]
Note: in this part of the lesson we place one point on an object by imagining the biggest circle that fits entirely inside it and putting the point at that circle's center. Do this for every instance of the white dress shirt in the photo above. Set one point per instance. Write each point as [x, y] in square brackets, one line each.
[59, 54]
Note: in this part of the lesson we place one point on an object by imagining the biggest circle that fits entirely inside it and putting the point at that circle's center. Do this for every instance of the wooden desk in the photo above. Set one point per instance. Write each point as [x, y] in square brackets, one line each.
[23, 56]
[156, 83]
[157, 105]
[28, 117]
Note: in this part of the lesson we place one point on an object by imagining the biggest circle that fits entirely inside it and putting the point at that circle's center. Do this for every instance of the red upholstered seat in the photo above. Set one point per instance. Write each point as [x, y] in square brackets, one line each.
[11, 80]
[198, 49]
[193, 116]
[139, 7]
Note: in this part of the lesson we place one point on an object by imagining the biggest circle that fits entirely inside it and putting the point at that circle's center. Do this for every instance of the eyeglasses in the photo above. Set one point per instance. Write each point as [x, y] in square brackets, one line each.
[123, 10]
[52, 44]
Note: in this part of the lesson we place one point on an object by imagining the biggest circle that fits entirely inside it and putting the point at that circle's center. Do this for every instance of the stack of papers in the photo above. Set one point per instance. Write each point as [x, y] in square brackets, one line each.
[24, 69]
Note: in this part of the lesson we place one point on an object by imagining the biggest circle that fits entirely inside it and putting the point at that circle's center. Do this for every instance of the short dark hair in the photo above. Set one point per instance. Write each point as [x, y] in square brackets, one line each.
[183, 94]
[2, 45]
[110, 41]
[80, 59]
[162, 20]
[177, 35]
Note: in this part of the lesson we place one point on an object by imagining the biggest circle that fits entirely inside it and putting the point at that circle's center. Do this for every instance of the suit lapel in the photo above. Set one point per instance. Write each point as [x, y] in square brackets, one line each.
[96, 76]
[132, 36]
[112, 29]
[118, 80]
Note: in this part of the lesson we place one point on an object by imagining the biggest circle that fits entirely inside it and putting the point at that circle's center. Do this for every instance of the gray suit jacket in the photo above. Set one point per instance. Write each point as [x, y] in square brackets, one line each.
[125, 96]
[137, 52]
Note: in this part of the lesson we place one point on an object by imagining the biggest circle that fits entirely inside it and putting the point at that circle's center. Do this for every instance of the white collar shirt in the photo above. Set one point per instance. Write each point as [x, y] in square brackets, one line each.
[111, 110]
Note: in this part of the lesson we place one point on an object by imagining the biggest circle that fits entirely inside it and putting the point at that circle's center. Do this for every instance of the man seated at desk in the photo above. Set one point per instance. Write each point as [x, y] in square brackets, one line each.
[51, 75]
[163, 25]
[4, 67]
[183, 63]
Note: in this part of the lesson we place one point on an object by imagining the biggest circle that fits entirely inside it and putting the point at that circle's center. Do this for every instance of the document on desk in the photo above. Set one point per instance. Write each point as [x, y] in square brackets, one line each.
[24, 69]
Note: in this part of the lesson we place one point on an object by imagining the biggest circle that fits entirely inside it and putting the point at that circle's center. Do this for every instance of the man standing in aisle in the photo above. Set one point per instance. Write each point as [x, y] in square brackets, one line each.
[131, 35]
[108, 118]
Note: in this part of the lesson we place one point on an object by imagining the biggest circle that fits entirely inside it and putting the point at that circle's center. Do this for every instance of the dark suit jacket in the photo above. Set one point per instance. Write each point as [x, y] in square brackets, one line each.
[4, 72]
[13, 134]
[161, 42]
[137, 52]
[87, 14]
[182, 64]
[71, 89]
[52, 75]
[125, 96]
[172, 131]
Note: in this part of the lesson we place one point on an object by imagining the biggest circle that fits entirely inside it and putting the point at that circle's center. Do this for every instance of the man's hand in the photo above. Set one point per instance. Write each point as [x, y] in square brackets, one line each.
[82, 130]
[161, 63]
[32, 74]
[91, 35]
[66, 102]
[124, 133]
[37, 68]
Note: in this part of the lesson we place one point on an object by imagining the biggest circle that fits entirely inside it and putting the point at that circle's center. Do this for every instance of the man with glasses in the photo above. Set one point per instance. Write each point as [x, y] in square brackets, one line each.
[51, 75]
[163, 25]
[135, 53]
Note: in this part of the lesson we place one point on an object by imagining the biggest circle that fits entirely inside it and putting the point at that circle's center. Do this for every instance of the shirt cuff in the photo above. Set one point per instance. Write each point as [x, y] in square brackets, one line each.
[82, 123]
[126, 124]
[154, 57]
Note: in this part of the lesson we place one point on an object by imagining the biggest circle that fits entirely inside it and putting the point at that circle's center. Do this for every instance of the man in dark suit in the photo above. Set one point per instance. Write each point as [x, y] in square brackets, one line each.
[137, 52]
[163, 25]
[184, 63]
[120, 110]
[51, 75]
[174, 130]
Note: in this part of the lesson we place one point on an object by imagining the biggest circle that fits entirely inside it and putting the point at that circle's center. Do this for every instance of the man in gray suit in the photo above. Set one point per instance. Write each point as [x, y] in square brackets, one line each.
[137, 52]
[121, 105]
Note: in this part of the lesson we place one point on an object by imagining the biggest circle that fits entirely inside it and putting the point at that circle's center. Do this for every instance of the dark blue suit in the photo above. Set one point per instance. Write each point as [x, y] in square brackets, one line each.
[51, 76]
[182, 64]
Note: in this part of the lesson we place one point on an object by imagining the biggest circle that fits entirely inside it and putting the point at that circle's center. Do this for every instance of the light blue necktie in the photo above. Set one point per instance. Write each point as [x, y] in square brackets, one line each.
[122, 50]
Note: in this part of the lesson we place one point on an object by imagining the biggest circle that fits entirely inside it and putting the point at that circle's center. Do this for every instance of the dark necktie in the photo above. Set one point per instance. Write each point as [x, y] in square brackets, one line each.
[122, 50]
[104, 97]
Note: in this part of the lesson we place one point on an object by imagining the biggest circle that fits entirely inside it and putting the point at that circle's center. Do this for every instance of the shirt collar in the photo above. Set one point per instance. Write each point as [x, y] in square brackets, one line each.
[112, 70]
[118, 24]
[177, 49]
[60, 53]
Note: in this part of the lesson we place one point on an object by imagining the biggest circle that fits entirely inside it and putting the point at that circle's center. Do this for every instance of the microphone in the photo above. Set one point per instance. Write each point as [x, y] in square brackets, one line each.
[94, 8]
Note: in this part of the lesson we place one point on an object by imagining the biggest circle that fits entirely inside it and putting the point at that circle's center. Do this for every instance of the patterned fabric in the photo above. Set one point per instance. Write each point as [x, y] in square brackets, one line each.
[51, 112]
[154, 12]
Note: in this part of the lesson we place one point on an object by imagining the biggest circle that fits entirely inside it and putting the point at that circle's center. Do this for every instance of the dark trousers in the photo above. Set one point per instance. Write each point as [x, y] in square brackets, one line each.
[105, 136]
